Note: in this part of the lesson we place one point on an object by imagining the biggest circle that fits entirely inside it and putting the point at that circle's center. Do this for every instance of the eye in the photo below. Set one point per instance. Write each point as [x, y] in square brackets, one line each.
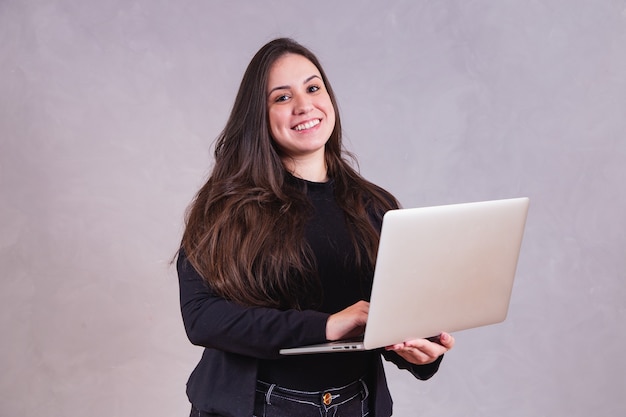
[280, 98]
[313, 88]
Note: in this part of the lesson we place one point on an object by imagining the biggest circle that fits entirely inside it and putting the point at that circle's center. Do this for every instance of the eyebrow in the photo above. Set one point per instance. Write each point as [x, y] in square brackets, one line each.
[286, 87]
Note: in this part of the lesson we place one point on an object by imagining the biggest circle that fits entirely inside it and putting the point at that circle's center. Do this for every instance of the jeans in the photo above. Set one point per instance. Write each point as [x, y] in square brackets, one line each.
[274, 401]
[348, 401]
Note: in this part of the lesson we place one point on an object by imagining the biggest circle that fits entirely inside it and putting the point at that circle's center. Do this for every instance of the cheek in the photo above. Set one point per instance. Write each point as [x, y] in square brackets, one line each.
[277, 121]
[329, 109]
[331, 115]
[271, 123]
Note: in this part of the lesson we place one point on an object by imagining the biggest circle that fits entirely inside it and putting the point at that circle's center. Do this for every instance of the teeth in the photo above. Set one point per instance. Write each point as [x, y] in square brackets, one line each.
[307, 125]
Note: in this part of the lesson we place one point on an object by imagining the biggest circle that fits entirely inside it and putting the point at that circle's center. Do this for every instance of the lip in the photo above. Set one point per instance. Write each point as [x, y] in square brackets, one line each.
[307, 125]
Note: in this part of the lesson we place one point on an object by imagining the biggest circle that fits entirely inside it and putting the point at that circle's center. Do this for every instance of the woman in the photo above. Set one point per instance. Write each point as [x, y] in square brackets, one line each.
[278, 251]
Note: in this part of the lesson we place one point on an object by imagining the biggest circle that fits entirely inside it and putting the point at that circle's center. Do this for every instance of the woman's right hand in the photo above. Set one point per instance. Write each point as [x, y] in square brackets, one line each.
[349, 322]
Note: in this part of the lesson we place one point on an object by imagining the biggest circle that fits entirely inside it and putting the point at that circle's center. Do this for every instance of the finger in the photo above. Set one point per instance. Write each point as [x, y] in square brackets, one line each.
[446, 340]
[363, 306]
[427, 347]
[415, 355]
[420, 344]
[395, 347]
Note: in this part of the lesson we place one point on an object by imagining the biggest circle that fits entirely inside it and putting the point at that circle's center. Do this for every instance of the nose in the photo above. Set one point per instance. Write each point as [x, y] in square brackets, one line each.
[302, 104]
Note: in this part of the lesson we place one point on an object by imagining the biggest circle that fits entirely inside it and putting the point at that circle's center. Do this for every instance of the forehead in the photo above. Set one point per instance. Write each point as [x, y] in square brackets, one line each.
[290, 70]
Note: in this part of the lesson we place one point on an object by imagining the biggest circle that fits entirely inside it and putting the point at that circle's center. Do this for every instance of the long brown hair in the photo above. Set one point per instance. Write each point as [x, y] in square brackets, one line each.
[245, 229]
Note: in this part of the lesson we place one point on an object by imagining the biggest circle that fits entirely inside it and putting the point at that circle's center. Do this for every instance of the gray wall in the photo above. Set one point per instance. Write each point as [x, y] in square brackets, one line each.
[107, 113]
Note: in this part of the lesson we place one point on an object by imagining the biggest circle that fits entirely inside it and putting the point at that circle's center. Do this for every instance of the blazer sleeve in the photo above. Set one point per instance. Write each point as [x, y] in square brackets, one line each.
[214, 322]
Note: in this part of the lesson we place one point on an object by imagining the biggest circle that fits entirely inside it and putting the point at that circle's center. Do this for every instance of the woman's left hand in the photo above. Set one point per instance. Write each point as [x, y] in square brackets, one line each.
[423, 351]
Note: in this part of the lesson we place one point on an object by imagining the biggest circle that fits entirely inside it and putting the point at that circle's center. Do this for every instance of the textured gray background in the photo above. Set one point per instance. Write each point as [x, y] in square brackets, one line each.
[107, 113]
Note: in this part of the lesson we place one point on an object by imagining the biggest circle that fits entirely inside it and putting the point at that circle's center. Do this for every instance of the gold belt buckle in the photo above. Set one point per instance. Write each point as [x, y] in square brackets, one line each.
[327, 398]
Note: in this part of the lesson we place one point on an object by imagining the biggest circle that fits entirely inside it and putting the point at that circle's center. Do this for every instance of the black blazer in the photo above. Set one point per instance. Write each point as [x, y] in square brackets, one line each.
[235, 337]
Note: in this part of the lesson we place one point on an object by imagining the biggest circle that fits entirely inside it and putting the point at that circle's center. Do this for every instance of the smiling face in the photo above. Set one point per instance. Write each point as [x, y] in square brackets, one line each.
[301, 113]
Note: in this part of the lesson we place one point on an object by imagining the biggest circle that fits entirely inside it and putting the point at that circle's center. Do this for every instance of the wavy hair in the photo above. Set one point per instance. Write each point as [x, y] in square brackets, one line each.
[244, 230]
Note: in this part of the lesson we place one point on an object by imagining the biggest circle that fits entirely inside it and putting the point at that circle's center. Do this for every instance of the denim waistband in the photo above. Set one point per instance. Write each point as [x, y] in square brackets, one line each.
[327, 397]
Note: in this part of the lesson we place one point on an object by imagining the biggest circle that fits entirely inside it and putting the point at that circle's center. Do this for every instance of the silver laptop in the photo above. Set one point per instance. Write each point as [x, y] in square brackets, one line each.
[443, 268]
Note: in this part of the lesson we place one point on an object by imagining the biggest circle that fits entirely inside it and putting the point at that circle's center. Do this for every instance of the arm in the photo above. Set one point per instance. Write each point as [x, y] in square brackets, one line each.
[214, 322]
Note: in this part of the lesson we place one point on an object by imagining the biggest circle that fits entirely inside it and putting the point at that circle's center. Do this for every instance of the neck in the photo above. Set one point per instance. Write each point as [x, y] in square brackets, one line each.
[310, 169]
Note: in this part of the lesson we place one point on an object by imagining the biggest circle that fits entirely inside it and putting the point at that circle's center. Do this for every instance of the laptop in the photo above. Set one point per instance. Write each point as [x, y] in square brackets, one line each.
[443, 268]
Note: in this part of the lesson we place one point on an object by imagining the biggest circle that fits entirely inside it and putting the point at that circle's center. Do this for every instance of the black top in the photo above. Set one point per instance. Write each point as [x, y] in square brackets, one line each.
[342, 285]
[238, 339]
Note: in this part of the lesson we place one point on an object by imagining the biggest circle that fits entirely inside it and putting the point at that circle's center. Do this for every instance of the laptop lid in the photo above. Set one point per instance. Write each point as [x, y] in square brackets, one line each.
[442, 268]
